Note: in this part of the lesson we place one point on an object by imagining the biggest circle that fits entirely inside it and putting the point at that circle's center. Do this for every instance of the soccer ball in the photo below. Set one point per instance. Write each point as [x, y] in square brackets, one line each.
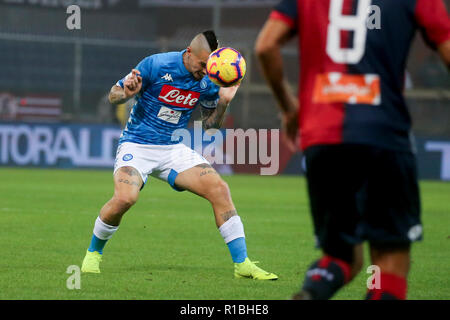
[226, 67]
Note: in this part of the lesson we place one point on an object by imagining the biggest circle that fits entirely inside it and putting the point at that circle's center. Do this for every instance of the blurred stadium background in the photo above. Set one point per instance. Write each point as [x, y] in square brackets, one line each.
[54, 81]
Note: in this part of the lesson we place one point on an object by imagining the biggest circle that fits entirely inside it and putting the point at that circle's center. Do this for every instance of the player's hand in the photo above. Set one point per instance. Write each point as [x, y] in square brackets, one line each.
[227, 94]
[133, 83]
[289, 123]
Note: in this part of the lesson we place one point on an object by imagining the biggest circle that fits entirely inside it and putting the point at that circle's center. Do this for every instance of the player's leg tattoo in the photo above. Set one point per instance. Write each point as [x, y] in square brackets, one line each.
[131, 183]
[130, 171]
[227, 215]
[207, 169]
[133, 174]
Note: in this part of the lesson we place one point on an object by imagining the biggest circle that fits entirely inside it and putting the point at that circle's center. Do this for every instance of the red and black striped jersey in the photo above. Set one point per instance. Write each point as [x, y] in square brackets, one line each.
[353, 56]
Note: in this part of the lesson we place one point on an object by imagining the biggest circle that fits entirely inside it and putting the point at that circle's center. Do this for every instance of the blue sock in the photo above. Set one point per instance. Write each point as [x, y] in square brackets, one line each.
[238, 249]
[97, 244]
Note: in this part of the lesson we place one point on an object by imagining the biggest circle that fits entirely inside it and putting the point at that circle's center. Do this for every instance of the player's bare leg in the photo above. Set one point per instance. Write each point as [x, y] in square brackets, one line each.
[127, 183]
[392, 261]
[204, 181]
[358, 261]
[394, 268]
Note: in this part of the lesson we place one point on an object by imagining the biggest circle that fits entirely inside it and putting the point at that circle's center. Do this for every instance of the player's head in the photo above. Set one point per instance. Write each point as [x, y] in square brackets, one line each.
[198, 51]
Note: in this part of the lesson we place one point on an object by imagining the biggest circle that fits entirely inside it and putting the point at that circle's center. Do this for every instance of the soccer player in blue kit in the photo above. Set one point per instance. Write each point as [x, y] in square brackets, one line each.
[168, 87]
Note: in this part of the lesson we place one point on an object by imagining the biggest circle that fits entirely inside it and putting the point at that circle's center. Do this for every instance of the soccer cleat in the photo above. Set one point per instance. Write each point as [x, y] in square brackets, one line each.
[248, 269]
[91, 262]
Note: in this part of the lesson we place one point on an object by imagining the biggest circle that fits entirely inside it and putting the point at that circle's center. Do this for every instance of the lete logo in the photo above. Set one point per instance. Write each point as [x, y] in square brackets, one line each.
[177, 97]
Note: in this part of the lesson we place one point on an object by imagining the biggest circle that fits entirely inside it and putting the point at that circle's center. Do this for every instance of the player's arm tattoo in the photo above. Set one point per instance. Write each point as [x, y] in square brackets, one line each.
[117, 95]
[227, 215]
[209, 118]
[213, 118]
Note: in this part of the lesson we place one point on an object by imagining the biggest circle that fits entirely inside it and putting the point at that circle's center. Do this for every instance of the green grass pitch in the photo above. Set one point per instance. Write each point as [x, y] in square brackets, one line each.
[168, 247]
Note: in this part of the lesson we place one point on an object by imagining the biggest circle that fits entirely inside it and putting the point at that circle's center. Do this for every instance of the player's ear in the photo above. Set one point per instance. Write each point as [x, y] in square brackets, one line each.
[189, 50]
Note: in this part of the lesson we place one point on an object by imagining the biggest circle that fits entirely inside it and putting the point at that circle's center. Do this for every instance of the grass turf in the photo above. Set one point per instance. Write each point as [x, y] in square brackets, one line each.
[168, 247]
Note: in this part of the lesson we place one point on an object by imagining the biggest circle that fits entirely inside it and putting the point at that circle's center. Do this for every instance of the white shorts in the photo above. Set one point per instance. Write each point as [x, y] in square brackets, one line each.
[164, 162]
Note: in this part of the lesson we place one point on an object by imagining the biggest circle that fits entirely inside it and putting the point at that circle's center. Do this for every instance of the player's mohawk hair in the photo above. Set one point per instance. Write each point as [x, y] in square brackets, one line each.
[212, 39]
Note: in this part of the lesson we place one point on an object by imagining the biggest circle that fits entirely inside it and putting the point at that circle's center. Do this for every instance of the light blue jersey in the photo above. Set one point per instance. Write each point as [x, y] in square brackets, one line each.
[165, 103]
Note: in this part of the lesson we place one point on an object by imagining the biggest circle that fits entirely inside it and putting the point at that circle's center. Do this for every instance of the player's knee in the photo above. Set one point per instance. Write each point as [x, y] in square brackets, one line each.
[218, 190]
[125, 201]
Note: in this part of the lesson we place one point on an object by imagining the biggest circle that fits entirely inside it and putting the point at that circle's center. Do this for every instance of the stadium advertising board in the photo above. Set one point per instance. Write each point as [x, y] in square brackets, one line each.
[136, 4]
[48, 145]
[207, 3]
[84, 4]
[94, 146]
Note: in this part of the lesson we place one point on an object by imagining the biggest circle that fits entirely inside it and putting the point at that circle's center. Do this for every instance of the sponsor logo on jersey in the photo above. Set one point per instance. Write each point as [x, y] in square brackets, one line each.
[177, 97]
[347, 88]
[169, 115]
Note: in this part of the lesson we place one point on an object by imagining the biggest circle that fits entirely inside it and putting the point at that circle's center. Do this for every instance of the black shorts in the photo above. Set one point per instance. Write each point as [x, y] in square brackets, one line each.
[359, 193]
